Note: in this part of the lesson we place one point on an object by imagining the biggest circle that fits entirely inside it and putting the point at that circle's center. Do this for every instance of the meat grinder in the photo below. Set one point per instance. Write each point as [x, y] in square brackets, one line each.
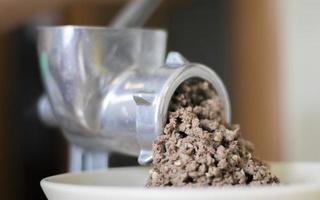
[108, 89]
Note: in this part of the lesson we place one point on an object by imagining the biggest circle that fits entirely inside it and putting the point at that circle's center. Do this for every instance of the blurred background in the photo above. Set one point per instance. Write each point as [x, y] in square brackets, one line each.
[265, 51]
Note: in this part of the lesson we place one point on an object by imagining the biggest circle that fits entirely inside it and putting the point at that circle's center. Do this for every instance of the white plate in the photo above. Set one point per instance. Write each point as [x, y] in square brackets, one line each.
[300, 181]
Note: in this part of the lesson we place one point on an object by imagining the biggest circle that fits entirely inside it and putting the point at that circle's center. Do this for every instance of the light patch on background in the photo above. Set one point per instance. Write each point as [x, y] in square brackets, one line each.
[300, 77]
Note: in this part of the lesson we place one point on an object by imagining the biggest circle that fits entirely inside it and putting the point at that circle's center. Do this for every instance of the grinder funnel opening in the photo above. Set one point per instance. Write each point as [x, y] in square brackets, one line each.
[152, 116]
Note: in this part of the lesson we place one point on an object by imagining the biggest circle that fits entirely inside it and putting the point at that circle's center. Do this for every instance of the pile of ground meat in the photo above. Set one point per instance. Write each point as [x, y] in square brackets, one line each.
[198, 147]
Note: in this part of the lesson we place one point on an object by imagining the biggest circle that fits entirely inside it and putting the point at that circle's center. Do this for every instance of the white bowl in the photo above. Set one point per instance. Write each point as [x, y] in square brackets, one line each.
[300, 181]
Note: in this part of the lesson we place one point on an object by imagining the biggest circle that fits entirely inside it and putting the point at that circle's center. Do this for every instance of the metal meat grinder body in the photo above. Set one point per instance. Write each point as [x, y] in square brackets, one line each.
[109, 89]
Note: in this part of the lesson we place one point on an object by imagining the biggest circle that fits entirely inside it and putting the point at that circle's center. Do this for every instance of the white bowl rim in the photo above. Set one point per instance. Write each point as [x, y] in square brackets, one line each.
[136, 190]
